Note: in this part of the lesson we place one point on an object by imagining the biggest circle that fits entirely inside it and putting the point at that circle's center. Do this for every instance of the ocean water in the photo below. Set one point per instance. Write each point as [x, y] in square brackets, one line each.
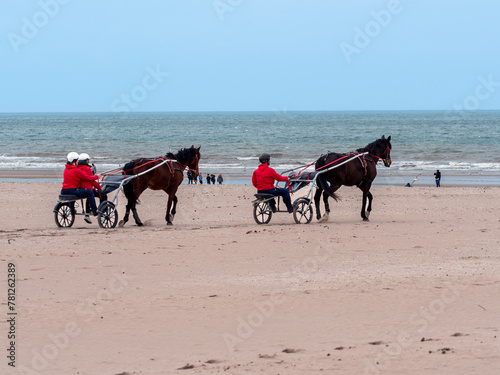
[457, 143]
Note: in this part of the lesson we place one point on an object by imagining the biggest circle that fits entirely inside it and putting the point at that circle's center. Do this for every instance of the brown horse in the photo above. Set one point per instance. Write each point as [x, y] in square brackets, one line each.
[360, 172]
[167, 176]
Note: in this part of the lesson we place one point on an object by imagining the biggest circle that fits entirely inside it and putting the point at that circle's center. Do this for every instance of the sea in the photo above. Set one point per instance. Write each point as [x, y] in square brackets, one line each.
[464, 146]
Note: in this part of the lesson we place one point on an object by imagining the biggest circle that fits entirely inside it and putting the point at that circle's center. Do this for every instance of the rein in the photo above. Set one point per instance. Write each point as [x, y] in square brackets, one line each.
[333, 162]
[149, 162]
[164, 161]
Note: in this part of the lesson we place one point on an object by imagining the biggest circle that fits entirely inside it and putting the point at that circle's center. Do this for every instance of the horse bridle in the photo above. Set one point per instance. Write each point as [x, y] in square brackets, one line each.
[386, 153]
[197, 159]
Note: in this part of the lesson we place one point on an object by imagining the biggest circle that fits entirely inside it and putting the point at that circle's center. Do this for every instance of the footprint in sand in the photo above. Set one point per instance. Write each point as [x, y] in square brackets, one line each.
[292, 350]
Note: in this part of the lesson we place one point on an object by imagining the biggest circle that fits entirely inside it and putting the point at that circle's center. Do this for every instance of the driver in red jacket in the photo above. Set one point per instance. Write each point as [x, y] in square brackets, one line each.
[263, 179]
[84, 165]
[73, 177]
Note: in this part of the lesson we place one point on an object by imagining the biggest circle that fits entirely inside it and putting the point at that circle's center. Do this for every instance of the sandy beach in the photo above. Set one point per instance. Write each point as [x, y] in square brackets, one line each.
[413, 291]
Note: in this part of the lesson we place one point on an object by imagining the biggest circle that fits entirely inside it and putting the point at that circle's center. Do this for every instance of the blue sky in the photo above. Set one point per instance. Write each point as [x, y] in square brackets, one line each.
[249, 55]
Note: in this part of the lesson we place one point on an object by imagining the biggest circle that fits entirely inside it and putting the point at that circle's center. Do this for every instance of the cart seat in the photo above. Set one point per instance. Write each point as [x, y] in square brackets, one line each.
[112, 182]
[68, 198]
[263, 196]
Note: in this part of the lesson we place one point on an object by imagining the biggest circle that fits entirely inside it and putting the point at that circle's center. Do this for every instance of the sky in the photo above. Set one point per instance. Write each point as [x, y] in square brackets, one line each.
[249, 55]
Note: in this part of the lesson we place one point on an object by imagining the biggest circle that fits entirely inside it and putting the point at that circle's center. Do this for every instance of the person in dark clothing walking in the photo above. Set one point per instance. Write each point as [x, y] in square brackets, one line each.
[437, 175]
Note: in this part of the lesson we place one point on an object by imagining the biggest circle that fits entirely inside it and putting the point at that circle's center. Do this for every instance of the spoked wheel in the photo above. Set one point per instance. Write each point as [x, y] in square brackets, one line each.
[302, 211]
[64, 215]
[107, 216]
[262, 212]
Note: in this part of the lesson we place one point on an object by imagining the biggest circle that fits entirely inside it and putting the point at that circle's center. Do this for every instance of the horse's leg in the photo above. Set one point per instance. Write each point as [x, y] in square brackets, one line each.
[369, 208]
[125, 218]
[317, 197]
[365, 188]
[136, 217]
[168, 217]
[363, 206]
[129, 207]
[172, 198]
[327, 207]
[326, 216]
[325, 201]
[173, 212]
[132, 191]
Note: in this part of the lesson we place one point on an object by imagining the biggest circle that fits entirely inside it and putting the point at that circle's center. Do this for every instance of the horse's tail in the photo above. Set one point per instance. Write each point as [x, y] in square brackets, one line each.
[128, 188]
[322, 181]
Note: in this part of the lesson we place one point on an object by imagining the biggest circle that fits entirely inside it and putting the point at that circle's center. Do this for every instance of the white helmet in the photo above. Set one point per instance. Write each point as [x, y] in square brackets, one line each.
[84, 156]
[72, 156]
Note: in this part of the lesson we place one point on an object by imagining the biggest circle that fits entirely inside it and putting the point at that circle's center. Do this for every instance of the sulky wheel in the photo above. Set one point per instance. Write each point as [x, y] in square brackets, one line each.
[107, 216]
[302, 211]
[64, 215]
[262, 212]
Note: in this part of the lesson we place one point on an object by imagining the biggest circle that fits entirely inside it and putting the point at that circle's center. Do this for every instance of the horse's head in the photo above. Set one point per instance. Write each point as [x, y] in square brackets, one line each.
[193, 161]
[382, 149]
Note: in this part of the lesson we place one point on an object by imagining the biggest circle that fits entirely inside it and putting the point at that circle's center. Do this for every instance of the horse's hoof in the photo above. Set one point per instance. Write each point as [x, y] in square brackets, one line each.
[366, 219]
[324, 219]
[121, 223]
[171, 218]
[169, 223]
[139, 224]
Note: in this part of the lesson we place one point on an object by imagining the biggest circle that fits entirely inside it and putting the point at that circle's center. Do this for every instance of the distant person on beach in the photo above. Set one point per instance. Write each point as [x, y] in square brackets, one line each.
[220, 179]
[200, 178]
[437, 175]
[190, 177]
[208, 178]
[89, 169]
[73, 178]
[212, 178]
[263, 179]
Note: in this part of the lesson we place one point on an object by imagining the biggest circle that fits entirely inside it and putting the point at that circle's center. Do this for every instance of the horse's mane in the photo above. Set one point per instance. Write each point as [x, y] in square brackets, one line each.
[371, 146]
[322, 160]
[183, 155]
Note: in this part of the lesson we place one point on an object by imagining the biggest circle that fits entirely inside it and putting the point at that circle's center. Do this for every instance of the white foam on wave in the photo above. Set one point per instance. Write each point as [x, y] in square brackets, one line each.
[249, 163]
[432, 165]
[247, 157]
[221, 166]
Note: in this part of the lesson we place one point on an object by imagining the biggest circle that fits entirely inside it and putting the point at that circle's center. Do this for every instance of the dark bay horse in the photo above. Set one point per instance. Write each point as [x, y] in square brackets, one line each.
[359, 172]
[167, 177]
